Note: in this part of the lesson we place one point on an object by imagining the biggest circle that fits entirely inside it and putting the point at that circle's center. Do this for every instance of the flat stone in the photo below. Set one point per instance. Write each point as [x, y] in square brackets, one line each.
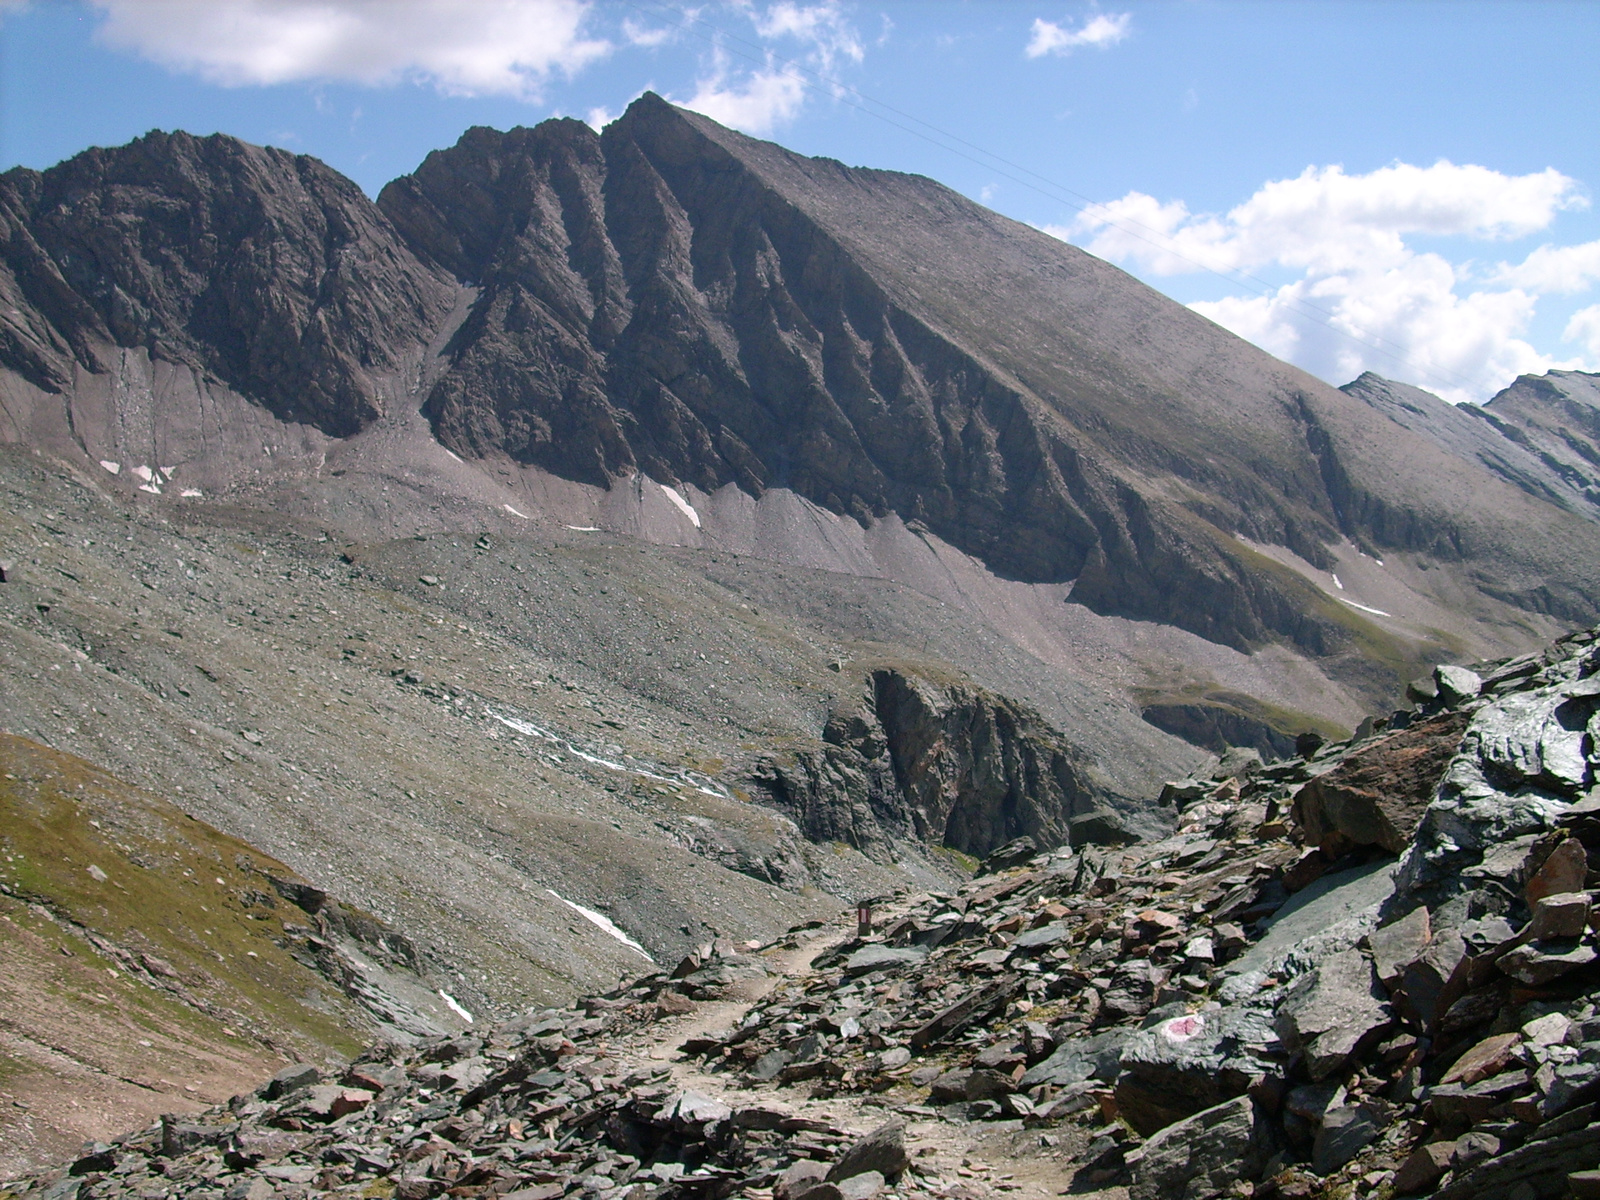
[1457, 684]
[1552, 1029]
[1560, 915]
[1330, 915]
[1200, 1156]
[694, 1108]
[802, 1173]
[1400, 943]
[877, 957]
[861, 1187]
[1345, 1133]
[1423, 1168]
[1436, 980]
[1488, 1057]
[1330, 1014]
[1079, 1059]
[1052, 934]
[1563, 871]
[883, 1150]
[1545, 962]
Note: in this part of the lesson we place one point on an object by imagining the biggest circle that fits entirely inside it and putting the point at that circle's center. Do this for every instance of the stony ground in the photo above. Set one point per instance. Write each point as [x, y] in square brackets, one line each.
[1368, 971]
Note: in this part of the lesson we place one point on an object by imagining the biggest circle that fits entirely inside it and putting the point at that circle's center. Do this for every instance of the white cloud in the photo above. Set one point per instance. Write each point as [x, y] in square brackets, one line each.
[1100, 31]
[758, 100]
[641, 35]
[1555, 269]
[823, 27]
[1584, 328]
[756, 103]
[1364, 297]
[462, 47]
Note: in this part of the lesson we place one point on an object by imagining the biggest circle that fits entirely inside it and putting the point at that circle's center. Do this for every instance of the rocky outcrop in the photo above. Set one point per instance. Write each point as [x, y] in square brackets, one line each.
[267, 270]
[945, 764]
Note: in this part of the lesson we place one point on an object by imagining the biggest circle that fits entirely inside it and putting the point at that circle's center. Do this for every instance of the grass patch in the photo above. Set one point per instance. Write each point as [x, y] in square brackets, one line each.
[964, 863]
[149, 879]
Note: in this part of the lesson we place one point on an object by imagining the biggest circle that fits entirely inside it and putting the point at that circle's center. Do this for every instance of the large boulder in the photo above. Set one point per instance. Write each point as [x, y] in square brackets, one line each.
[1202, 1156]
[1330, 1014]
[1185, 1064]
[1377, 796]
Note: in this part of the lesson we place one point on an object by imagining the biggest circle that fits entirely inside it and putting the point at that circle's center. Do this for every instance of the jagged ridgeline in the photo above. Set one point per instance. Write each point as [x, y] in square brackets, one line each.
[673, 298]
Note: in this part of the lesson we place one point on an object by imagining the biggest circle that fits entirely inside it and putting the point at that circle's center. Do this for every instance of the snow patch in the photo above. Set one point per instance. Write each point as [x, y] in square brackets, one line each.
[514, 512]
[1377, 612]
[688, 509]
[455, 1006]
[584, 528]
[603, 921]
[704, 786]
[143, 472]
[452, 454]
[151, 488]
[114, 468]
[190, 493]
[1337, 584]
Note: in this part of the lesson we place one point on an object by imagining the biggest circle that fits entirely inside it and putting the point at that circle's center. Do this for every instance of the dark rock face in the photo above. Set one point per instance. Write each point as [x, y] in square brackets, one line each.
[674, 298]
[267, 270]
[1217, 728]
[947, 764]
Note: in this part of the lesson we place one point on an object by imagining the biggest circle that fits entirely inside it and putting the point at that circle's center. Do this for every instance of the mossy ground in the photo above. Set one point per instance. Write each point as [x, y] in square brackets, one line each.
[138, 872]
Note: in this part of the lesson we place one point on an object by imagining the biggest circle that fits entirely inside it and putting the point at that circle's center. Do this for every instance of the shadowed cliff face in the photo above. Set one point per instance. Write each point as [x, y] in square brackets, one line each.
[673, 298]
[944, 764]
[267, 270]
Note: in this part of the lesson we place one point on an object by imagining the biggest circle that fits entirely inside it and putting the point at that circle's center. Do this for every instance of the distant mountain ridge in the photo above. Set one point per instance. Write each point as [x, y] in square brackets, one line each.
[1540, 434]
[673, 298]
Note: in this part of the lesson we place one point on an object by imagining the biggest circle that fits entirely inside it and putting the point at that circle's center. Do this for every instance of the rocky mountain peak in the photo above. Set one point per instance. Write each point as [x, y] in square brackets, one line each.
[266, 270]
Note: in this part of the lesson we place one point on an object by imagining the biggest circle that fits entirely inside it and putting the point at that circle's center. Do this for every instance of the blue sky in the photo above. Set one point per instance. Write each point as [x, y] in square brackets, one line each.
[1402, 187]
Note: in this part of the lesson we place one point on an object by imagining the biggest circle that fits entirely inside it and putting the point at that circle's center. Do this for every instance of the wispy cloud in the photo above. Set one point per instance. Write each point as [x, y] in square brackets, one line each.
[1100, 31]
[461, 47]
[805, 45]
[1364, 295]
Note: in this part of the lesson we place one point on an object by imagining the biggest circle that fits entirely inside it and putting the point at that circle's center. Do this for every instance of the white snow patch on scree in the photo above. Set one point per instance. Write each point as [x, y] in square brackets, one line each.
[1377, 612]
[1337, 584]
[514, 512]
[698, 783]
[688, 509]
[455, 1006]
[114, 468]
[605, 923]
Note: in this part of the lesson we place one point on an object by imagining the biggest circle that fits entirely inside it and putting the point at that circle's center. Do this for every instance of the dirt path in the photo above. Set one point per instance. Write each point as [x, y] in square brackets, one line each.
[997, 1158]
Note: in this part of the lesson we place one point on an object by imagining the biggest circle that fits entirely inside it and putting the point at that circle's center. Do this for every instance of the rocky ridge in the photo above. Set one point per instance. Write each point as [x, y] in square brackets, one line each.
[1371, 970]
[1542, 433]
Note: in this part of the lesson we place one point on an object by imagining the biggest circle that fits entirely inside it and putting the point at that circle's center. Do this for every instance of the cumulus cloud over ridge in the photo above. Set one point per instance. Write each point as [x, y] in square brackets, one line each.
[1366, 297]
